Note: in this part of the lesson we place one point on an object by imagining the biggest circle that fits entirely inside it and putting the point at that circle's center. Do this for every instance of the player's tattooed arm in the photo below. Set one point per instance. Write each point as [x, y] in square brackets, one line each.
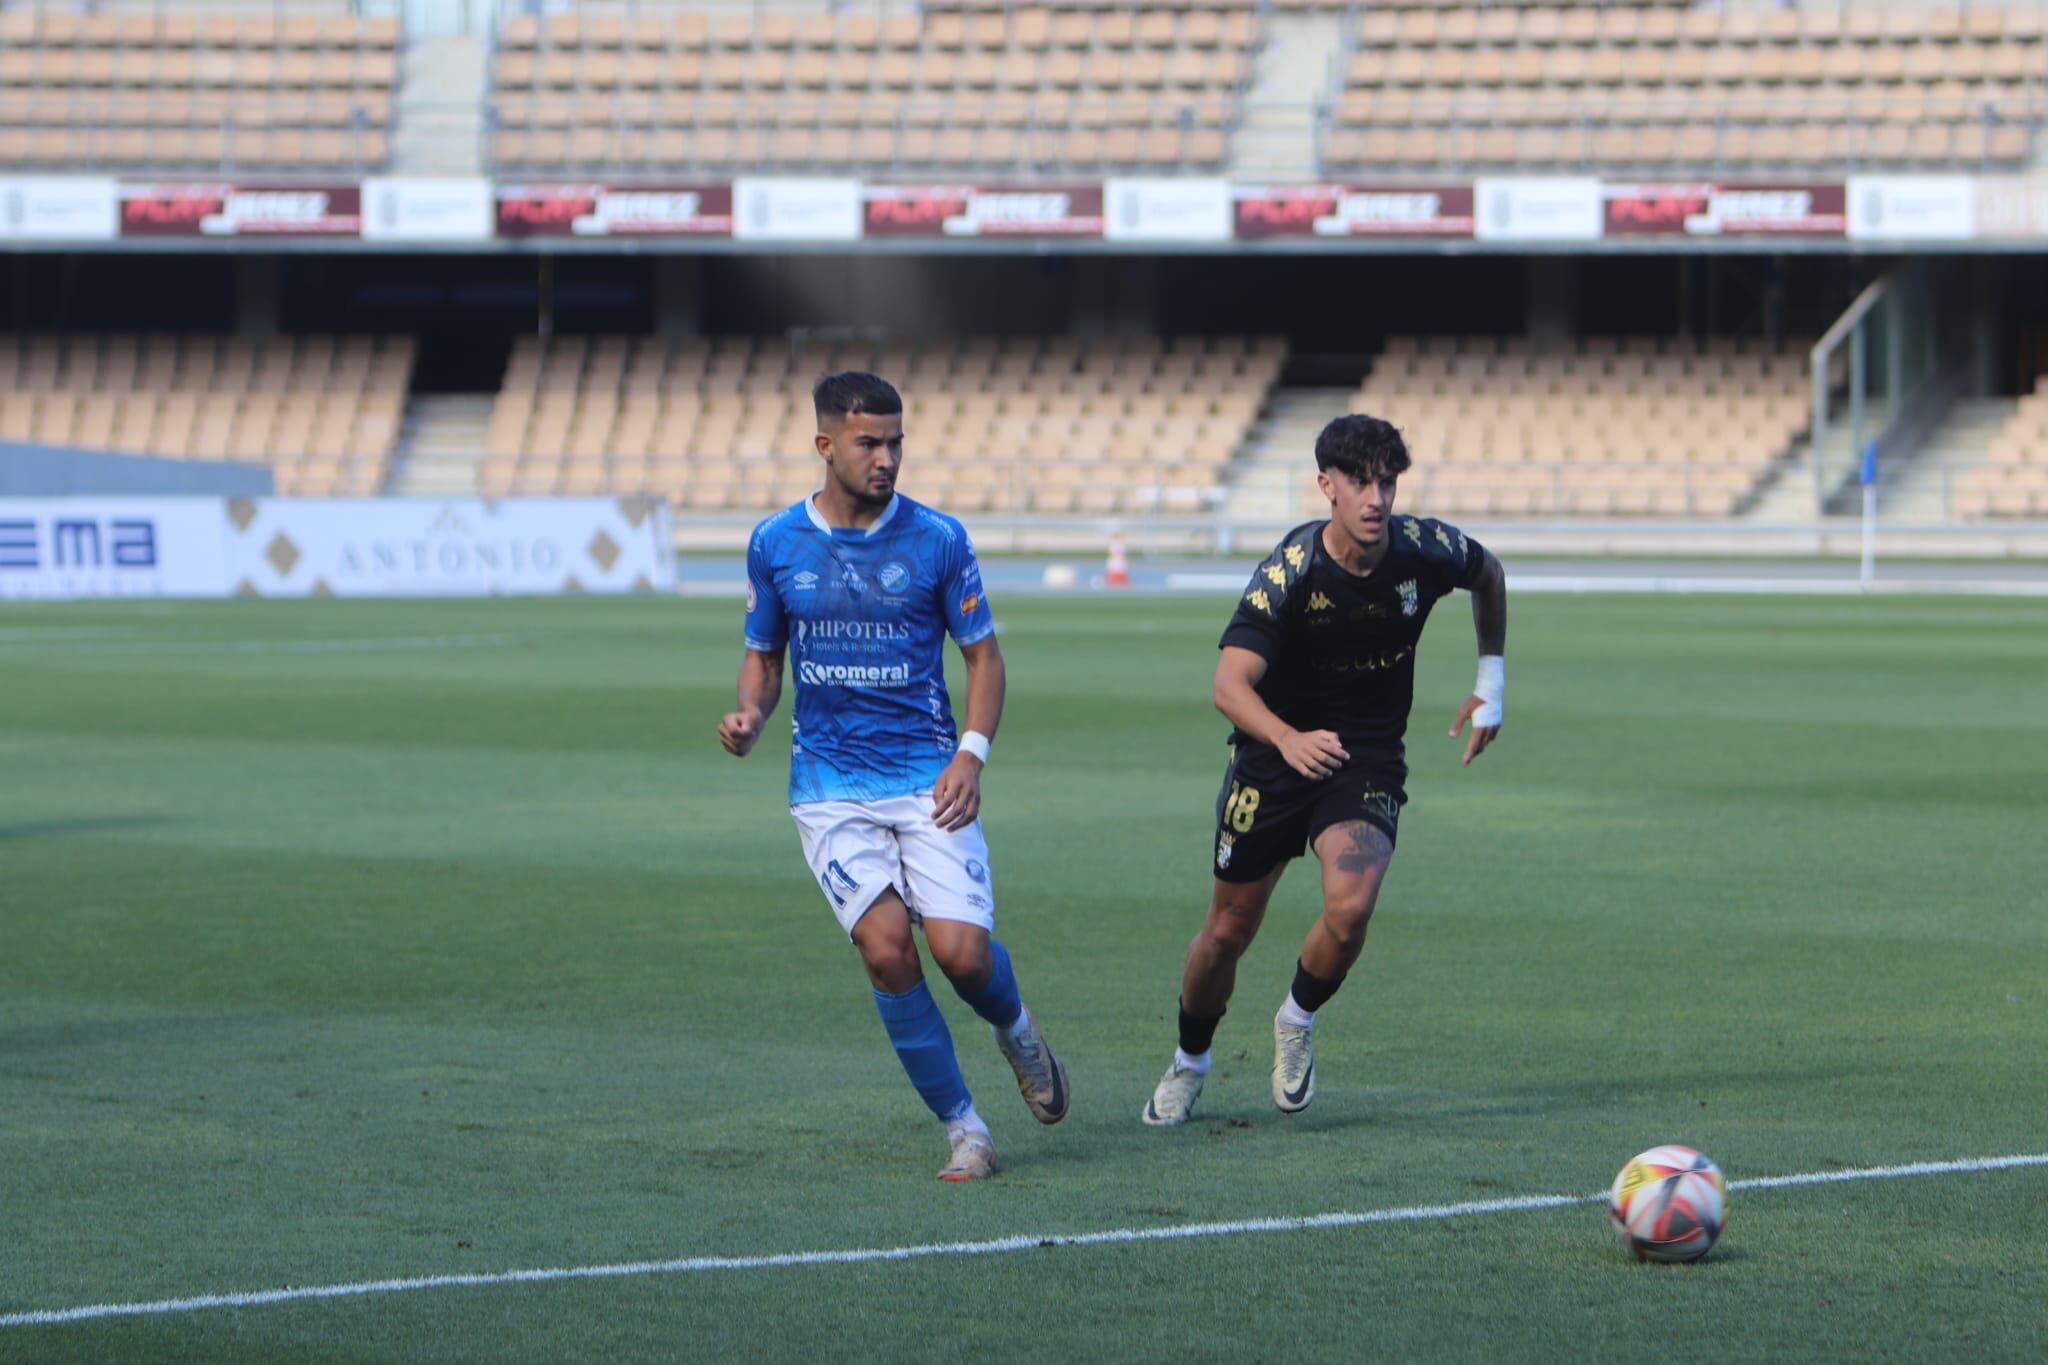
[956, 795]
[1490, 624]
[1315, 753]
[760, 688]
[1490, 605]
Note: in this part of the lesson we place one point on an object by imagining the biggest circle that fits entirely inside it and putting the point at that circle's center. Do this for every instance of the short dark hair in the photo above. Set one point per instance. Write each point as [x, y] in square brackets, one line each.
[854, 391]
[1363, 447]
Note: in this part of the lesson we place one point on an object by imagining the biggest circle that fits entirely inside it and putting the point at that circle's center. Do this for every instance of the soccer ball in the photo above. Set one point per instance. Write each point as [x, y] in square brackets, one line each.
[1668, 1204]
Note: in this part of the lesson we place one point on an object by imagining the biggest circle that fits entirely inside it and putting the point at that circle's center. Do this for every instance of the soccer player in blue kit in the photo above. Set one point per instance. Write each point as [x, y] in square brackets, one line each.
[862, 585]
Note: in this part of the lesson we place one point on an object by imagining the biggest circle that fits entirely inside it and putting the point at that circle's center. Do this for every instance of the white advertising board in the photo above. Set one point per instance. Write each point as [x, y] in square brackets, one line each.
[1190, 210]
[457, 547]
[400, 209]
[1912, 208]
[1517, 210]
[59, 209]
[111, 547]
[771, 210]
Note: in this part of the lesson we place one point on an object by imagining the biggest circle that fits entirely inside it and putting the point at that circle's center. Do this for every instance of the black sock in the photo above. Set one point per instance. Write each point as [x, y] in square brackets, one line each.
[1312, 992]
[1196, 1033]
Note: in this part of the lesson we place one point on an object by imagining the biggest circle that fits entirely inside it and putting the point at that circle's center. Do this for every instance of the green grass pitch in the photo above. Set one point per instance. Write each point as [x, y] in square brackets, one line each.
[346, 941]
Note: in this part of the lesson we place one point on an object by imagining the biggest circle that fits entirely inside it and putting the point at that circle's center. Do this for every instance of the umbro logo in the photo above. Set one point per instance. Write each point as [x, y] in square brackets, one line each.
[804, 580]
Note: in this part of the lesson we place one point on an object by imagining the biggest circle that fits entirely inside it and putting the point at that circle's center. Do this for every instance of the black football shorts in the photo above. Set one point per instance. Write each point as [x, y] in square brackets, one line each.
[1267, 813]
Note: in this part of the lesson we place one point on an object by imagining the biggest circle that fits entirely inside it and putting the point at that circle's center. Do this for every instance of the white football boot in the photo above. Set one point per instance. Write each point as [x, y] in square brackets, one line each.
[974, 1157]
[1041, 1078]
[1173, 1099]
[1294, 1066]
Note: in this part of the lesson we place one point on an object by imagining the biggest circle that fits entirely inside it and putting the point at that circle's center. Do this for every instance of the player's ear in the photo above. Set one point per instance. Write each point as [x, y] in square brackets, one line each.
[1323, 482]
[823, 441]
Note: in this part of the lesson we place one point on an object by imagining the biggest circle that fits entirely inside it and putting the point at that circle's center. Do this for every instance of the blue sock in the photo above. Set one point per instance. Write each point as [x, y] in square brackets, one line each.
[925, 1048]
[997, 1001]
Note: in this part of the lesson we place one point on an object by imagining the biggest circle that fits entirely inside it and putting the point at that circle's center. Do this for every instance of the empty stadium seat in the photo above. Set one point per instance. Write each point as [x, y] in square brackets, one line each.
[1025, 90]
[300, 85]
[1630, 89]
[322, 411]
[1008, 425]
[1623, 428]
[2013, 479]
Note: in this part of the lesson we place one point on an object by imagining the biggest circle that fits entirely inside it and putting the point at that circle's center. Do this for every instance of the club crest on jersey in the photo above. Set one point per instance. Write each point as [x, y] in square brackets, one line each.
[892, 577]
[976, 871]
[1409, 597]
[1223, 844]
[804, 580]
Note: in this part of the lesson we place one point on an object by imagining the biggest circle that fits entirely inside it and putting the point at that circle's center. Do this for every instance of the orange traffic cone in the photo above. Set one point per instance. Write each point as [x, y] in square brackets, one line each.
[1118, 573]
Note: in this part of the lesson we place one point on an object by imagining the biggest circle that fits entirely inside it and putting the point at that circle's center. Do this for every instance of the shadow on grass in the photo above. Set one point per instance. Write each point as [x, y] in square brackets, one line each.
[57, 829]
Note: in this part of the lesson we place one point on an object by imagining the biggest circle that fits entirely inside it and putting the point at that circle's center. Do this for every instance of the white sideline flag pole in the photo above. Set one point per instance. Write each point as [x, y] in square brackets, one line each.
[1868, 476]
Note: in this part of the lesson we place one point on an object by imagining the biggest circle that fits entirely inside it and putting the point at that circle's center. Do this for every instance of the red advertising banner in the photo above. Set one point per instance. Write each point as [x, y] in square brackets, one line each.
[228, 210]
[614, 210]
[1352, 211]
[982, 211]
[1717, 210]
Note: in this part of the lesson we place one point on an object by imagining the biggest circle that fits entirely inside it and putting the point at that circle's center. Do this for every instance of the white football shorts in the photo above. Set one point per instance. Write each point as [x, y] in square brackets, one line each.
[859, 849]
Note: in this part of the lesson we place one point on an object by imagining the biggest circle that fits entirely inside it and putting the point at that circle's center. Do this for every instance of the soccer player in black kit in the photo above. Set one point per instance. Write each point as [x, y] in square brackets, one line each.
[1317, 675]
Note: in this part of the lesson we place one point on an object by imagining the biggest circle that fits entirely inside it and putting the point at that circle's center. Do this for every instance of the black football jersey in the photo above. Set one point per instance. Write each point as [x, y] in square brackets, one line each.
[1340, 648]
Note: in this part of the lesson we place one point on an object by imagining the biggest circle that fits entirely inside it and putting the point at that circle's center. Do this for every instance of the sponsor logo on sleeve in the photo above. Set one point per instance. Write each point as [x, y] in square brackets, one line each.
[969, 603]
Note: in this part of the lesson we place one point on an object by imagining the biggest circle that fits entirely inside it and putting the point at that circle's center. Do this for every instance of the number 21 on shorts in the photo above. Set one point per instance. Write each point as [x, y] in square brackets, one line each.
[1242, 807]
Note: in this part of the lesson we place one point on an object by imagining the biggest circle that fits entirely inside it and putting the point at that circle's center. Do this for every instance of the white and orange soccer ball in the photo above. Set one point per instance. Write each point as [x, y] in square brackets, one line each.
[1668, 1204]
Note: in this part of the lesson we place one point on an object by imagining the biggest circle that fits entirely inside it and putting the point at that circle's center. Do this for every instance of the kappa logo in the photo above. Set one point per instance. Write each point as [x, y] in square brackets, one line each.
[893, 577]
[1318, 602]
[804, 580]
[1409, 597]
[1257, 597]
[1412, 531]
[1277, 575]
[1296, 557]
[1443, 537]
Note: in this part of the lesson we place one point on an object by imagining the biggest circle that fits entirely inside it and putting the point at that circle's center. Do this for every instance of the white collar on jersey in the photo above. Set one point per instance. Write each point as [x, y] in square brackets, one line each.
[818, 518]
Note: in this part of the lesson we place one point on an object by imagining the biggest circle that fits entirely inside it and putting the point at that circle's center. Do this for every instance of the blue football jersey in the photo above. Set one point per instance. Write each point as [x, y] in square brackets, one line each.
[865, 614]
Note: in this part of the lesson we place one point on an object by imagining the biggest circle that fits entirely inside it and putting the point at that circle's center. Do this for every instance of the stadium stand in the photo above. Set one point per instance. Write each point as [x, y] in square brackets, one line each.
[996, 425]
[1628, 88]
[1027, 89]
[2013, 480]
[299, 86]
[322, 411]
[1631, 427]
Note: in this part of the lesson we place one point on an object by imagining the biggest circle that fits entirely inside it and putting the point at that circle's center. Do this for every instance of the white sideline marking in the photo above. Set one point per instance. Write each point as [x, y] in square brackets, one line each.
[993, 1247]
[364, 644]
[1538, 581]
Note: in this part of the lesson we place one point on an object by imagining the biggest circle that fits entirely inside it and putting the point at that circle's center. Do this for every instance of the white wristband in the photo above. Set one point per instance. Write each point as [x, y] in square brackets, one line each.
[976, 743]
[1491, 689]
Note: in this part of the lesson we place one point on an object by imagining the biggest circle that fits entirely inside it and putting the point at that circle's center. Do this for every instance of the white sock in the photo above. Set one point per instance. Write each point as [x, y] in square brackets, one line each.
[1023, 1018]
[1291, 1013]
[1186, 1063]
[966, 1121]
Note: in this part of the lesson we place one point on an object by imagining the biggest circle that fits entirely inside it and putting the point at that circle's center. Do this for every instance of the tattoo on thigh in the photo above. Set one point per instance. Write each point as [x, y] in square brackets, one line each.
[1366, 846]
